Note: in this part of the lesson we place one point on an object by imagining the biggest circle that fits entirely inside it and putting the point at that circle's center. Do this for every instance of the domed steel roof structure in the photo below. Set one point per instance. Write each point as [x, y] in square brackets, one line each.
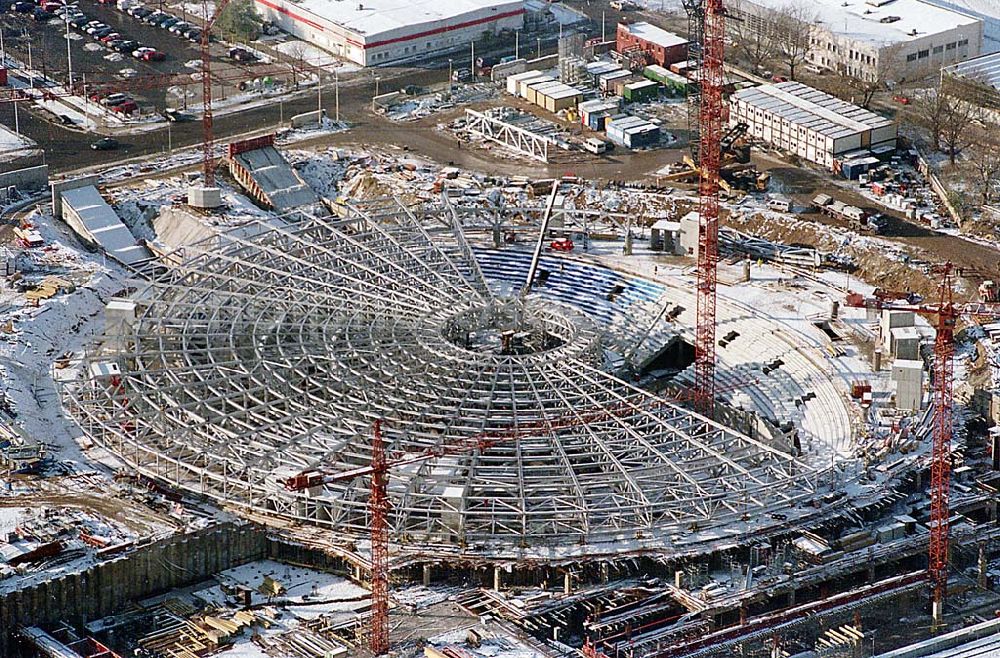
[270, 351]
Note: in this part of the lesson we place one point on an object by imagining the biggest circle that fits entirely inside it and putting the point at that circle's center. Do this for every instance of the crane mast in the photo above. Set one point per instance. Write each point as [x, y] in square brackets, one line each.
[710, 125]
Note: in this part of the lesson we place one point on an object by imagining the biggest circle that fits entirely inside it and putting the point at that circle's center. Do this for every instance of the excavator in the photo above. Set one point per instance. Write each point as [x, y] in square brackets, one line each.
[737, 174]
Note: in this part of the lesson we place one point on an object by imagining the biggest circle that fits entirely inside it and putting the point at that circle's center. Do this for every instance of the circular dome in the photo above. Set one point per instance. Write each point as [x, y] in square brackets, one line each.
[271, 351]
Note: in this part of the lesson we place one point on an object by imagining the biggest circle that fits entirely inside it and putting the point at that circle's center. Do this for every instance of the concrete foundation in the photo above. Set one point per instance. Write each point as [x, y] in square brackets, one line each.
[204, 197]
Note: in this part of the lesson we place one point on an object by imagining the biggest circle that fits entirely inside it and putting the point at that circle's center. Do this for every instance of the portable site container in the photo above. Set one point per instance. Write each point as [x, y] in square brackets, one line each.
[513, 82]
[558, 98]
[596, 69]
[606, 81]
[532, 90]
[641, 92]
[524, 85]
[594, 113]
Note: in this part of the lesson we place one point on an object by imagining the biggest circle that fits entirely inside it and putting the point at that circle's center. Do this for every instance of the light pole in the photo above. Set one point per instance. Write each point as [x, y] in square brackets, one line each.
[539, 47]
[517, 43]
[376, 93]
[69, 51]
[449, 73]
[336, 92]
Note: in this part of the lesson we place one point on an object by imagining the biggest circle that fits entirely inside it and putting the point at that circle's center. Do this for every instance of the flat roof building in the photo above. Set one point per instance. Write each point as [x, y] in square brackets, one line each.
[658, 45]
[374, 32]
[807, 122]
[861, 38]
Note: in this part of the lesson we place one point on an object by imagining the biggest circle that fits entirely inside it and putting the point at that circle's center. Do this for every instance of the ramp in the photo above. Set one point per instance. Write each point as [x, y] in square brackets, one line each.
[91, 218]
[266, 175]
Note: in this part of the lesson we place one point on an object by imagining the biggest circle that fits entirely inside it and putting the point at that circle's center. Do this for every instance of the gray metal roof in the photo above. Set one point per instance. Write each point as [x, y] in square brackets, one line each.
[276, 178]
[102, 224]
[985, 69]
[810, 108]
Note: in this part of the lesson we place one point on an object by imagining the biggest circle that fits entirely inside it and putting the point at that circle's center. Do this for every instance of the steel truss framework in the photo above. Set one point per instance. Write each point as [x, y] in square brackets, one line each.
[260, 357]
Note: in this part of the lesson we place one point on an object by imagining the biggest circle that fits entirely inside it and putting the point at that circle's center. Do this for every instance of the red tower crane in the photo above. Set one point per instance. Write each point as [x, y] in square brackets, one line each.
[946, 314]
[378, 504]
[709, 151]
[208, 138]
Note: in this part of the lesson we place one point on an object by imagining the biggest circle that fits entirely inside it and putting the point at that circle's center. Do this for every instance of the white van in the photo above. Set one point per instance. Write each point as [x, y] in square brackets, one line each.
[779, 203]
[595, 145]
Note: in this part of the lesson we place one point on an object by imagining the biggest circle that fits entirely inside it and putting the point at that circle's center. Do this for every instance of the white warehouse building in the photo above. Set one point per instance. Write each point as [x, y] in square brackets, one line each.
[860, 38]
[374, 32]
[809, 123]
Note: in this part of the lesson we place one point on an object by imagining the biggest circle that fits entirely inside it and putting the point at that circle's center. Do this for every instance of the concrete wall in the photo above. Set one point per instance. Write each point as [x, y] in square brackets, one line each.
[61, 186]
[105, 588]
[28, 179]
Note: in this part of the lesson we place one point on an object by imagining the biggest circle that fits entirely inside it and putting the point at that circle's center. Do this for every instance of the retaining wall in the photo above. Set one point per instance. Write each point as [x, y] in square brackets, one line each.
[28, 179]
[106, 588]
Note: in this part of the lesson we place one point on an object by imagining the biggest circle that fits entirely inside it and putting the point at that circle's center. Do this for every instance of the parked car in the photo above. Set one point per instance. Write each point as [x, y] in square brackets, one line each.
[242, 55]
[41, 15]
[23, 7]
[95, 27]
[78, 22]
[128, 107]
[461, 75]
[779, 78]
[66, 120]
[178, 27]
[102, 32]
[114, 99]
[108, 38]
[186, 32]
[177, 116]
[167, 21]
[51, 7]
[152, 55]
[105, 144]
[193, 35]
[114, 44]
[139, 11]
[902, 100]
[561, 244]
[125, 47]
[152, 17]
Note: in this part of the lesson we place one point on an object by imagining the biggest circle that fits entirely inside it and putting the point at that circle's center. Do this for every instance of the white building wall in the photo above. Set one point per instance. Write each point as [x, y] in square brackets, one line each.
[407, 43]
[917, 56]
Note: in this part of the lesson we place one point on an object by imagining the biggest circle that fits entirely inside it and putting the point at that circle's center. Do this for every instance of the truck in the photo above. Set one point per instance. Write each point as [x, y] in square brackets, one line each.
[856, 218]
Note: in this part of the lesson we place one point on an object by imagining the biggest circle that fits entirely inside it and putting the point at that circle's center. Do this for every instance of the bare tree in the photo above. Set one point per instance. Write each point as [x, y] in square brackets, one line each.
[984, 161]
[888, 70]
[791, 34]
[927, 111]
[296, 54]
[958, 119]
[752, 33]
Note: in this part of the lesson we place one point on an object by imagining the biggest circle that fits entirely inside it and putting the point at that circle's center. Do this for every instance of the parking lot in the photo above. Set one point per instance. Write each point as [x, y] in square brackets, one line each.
[104, 69]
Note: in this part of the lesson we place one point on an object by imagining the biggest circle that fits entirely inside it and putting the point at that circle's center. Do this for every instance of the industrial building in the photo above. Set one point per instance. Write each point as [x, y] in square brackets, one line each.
[976, 81]
[809, 123]
[380, 32]
[905, 37]
[656, 44]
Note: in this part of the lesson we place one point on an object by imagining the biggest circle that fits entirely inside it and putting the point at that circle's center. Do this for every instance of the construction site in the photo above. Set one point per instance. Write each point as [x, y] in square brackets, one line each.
[309, 393]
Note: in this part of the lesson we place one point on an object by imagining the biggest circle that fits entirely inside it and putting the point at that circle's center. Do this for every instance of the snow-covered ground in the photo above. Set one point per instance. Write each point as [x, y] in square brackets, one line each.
[312, 55]
[11, 142]
[308, 593]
